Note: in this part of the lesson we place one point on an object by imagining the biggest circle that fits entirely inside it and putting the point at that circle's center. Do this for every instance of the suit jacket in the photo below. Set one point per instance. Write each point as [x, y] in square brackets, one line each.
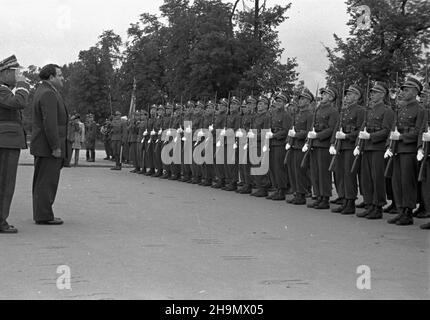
[50, 121]
[12, 135]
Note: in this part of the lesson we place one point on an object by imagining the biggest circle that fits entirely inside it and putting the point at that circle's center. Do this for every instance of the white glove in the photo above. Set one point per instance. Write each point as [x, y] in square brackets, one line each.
[218, 144]
[251, 135]
[332, 150]
[175, 140]
[223, 132]
[292, 133]
[184, 139]
[265, 149]
[180, 130]
[364, 135]
[211, 128]
[169, 132]
[426, 137]
[145, 133]
[142, 140]
[152, 133]
[287, 146]
[420, 155]
[356, 152]
[395, 136]
[160, 131]
[340, 135]
[388, 154]
[200, 134]
[269, 135]
[312, 135]
[188, 130]
[235, 146]
[239, 134]
[305, 148]
[245, 147]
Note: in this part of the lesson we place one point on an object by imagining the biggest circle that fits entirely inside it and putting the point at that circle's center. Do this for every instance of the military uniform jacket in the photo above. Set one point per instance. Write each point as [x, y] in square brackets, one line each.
[90, 135]
[261, 121]
[141, 127]
[281, 122]
[118, 131]
[424, 128]
[351, 120]
[378, 123]
[50, 119]
[12, 135]
[302, 125]
[133, 131]
[409, 122]
[325, 124]
[233, 124]
[246, 122]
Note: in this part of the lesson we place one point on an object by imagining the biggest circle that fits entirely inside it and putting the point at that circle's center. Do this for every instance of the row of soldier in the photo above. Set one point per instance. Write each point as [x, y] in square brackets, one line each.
[373, 149]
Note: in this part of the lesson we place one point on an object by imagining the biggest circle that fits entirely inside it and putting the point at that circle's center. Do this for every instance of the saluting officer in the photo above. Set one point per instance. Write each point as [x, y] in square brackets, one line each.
[349, 124]
[12, 135]
[374, 131]
[302, 125]
[405, 167]
[326, 118]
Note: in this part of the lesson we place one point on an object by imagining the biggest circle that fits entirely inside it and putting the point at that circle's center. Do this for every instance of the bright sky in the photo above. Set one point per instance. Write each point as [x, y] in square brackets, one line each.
[54, 31]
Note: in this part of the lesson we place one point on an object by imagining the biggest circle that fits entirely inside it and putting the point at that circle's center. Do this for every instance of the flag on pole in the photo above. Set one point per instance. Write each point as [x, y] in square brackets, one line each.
[133, 101]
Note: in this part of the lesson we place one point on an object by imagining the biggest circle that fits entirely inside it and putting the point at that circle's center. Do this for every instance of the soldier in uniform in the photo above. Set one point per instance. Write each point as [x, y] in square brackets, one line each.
[167, 125]
[374, 131]
[106, 135]
[158, 128]
[326, 118]
[187, 117]
[405, 167]
[150, 143]
[90, 138]
[231, 147]
[177, 125]
[142, 133]
[197, 119]
[208, 170]
[423, 147]
[281, 122]
[12, 135]
[133, 132]
[349, 124]
[261, 122]
[245, 168]
[302, 125]
[220, 124]
[118, 138]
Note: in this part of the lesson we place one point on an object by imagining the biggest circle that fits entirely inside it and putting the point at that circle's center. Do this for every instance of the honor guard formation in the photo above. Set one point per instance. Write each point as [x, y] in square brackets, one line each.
[376, 145]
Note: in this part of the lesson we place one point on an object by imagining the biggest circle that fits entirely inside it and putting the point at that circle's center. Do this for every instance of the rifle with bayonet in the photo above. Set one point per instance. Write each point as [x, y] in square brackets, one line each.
[309, 142]
[393, 143]
[338, 142]
[426, 147]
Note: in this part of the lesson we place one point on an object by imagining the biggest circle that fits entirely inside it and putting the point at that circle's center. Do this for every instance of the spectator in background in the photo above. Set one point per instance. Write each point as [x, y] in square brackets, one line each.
[78, 137]
[90, 138]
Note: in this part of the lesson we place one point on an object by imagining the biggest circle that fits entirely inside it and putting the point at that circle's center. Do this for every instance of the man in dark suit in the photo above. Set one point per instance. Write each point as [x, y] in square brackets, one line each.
[12, 135]
[48, 143]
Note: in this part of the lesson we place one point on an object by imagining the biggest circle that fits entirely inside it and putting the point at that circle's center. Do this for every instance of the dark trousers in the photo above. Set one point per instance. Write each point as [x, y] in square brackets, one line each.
[157, 156]
[405, 180]
[108, 148]
[372, 178]
[69, 148]
[231, 167]
[278, 171]
[320, 175]
[186, 168]
[133, 151]
[219, 167]
[245, 173]
[91, 154]
[45, 184]
[8, 168]
[425, 187]
[299, 179]
[149, 155]
[116, 148]
[347, 182]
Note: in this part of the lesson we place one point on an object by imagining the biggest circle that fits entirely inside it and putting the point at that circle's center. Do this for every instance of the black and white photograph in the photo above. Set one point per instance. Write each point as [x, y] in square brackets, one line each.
[243, 151]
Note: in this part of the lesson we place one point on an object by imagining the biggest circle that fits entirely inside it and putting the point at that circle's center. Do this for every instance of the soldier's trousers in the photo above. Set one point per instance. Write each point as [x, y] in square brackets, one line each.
[298, 175]
[91, 154]
[139, 154]
[208, 170]
[425, 187]
[196, 169]
[405, 180]
[45, 185]
[347, 182]
[8, 168]
[149, 155]
[108, 148]
[231, 167]
[126, 152]
[245, 172]
[175, 168]
[262, 181]
[69, 145]
[186, 167]
[278, 171]
[320, 175]
[133, 153]
[157, 156]
[116, 148]
[372, 178]
[219, 167]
